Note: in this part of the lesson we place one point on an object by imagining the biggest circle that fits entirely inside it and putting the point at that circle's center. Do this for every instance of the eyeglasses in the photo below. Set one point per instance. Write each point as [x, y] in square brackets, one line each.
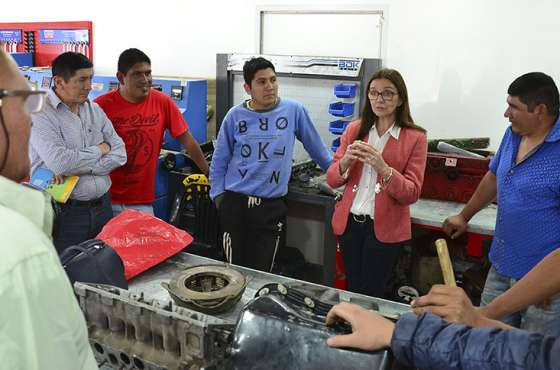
[33, 100]
[386, 95]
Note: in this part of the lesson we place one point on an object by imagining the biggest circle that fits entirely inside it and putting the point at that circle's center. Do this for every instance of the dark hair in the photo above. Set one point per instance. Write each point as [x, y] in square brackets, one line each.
[536, 88]
[66, 64]
[253, 65]
[129, 58]
[403, 119]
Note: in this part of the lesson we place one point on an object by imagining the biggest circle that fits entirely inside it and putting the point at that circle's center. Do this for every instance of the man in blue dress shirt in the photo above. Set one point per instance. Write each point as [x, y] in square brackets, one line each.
[524, 177]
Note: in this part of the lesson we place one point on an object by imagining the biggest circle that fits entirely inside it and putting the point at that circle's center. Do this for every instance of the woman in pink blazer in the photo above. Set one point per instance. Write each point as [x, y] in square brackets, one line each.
[381, 161]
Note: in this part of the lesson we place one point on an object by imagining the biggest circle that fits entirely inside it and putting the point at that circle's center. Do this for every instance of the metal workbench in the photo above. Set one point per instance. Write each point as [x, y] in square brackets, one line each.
[309, 224]
[430, 212]
[149, 283]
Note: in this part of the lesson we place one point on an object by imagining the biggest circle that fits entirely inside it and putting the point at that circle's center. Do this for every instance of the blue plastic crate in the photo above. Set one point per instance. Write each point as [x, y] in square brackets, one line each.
[23, 59]
[337, 127]
[345, 90]
[335, 144]
[341, 109]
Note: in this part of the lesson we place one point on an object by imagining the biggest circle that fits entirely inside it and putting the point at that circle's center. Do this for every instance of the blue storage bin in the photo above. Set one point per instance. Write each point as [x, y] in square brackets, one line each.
[337, 127]
[341, 109]
[23, 59]
[335, 144]
[345, 90]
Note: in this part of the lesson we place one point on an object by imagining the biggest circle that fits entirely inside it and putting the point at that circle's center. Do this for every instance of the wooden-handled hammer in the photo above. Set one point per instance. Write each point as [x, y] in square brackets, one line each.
[445, 263]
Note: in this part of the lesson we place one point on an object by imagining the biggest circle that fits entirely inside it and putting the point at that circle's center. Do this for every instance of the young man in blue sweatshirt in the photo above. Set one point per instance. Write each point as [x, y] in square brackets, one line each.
[252, 163]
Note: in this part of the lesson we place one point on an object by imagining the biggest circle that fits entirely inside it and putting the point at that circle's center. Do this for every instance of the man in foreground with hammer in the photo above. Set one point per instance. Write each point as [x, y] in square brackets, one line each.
[426, 341]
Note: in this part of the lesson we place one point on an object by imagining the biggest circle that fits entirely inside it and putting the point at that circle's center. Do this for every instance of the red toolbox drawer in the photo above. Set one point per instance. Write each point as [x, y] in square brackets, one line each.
[452, 177]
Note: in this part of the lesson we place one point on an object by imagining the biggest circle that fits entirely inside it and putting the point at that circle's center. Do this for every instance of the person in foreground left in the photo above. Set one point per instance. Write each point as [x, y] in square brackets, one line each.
[41, 325]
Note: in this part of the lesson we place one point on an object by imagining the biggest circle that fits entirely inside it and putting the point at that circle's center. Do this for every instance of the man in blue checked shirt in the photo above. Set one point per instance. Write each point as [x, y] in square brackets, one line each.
[524, 177]
[73, 136]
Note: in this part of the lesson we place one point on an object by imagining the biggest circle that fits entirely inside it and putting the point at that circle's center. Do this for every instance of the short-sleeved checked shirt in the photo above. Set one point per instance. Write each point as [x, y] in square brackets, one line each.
[528, 219]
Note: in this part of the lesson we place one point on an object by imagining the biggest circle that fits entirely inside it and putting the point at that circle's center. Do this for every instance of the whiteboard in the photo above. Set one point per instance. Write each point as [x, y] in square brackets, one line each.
[321, 33]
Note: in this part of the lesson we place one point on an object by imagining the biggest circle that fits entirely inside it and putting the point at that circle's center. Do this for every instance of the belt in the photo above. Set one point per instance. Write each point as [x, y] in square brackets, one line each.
[85, 203]
[361, 218]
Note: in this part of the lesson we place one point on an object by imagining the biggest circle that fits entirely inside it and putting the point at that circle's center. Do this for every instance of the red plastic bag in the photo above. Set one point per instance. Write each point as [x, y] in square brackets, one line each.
[142, 241]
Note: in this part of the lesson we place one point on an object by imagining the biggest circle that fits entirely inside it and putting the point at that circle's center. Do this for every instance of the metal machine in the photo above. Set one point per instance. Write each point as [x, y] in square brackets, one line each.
[188, 94]
[143, 328]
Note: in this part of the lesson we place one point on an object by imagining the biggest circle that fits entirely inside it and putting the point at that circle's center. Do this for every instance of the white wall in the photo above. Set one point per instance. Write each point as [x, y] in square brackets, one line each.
[181, 37]
[457, 57]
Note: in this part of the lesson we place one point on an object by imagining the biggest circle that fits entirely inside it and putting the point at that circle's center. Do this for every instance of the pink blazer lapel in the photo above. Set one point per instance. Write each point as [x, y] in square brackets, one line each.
[393, 151]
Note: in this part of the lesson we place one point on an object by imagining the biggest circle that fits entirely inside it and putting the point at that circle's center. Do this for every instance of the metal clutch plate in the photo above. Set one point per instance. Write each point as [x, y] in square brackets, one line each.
[207, 288]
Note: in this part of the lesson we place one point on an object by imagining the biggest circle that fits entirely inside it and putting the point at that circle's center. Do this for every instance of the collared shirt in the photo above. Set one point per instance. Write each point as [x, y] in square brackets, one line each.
[364, 201]
[66, 143]
[528, 218]
[42, 326]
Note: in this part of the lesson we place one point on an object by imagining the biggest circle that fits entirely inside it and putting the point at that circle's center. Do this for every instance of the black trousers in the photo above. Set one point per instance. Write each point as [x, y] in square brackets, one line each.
[80, 221]
[368, 262]
[252, 229]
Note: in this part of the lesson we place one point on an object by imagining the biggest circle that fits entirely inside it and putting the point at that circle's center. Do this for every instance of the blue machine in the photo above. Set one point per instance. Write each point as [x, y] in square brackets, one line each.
[190, 97]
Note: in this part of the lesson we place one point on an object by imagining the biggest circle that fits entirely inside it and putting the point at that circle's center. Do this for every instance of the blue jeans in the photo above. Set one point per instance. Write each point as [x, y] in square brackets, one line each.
[80, 222]
[539, 320]
[144, 208]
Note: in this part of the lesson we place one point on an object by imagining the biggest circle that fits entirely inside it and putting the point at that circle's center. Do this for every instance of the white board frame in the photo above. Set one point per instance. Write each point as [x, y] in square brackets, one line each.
[264, 10]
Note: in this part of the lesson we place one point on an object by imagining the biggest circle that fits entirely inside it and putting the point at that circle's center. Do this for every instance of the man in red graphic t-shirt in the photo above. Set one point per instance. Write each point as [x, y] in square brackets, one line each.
[140, 116]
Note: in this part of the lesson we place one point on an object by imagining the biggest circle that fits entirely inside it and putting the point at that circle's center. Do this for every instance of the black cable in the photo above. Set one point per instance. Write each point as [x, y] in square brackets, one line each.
[6, 151]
